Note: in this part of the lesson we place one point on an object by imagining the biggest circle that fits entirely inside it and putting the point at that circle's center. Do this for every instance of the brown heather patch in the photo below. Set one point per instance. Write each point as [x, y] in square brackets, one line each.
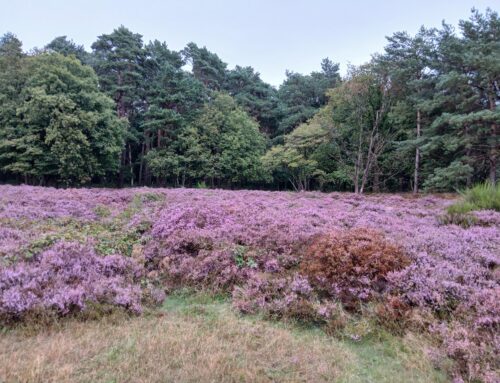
[352, 260]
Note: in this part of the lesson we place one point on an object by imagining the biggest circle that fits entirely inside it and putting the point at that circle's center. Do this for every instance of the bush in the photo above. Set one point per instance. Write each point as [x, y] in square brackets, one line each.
[455, 217]
[64, 279]
[279, 297]
[393, 313]
[485, 196]
[352, 265]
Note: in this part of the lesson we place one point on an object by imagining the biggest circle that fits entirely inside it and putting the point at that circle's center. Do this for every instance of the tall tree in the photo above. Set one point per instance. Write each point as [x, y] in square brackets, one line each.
[481, 47]
[222, 147]
[172, 97]
[360, 132]
[206, 66]
[302, 95]
[294, 161]
[66, 131]
[407, 61]
[118, 61]
[67, 47]
[258, 98]
[13, 76]
[462, 143]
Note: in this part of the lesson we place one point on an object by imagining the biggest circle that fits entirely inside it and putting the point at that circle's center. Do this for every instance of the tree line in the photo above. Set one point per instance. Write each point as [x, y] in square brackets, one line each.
[422, 114]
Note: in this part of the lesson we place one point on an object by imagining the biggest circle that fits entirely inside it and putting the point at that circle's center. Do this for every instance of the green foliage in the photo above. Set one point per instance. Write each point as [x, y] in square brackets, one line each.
[449, 178]
[110, 234]
[68, 47]
[301, 96]
[223, 145]
[259, 99]
[102, 211]
[65, 128]
[242, 259]
[13, 76]
[201, 185]
[293, 161]
[207, 66]
[423, 114]
[483, 196]
[118, 59]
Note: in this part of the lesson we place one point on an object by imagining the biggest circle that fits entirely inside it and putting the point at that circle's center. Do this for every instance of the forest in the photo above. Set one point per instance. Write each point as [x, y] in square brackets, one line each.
[422, 115]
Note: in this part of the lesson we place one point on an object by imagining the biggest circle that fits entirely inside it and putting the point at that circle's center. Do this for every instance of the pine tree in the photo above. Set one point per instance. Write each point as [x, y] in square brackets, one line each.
[118, 61]
[207, 67]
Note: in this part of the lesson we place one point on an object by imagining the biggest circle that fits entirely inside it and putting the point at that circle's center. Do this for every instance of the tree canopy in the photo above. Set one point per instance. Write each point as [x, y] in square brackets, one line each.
[423, 114]
[64, 128]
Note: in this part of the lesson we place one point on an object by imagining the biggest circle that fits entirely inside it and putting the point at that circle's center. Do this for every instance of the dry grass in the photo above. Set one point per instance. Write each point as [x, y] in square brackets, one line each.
[195, 343]
[167, 349]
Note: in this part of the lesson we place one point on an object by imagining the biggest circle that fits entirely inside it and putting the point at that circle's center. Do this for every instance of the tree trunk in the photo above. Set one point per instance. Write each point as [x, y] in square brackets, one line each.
[468, 181]
[130, 165]
[143, 149]
[417, 155]
[356, 177]
[147, 173]
[493, 152]
[357, 164]
[376, 177]
[120, 110]
[371, 156]
[122, 162]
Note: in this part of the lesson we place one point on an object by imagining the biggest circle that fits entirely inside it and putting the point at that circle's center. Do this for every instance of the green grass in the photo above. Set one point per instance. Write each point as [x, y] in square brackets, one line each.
[196, 336]
[378, 357]
[484, 196]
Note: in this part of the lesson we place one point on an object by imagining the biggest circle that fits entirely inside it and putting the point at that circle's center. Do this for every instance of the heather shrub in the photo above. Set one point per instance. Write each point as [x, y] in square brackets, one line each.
[102, 211]
[352, 265]
[393, 313]
[64, 279]
[213, 269]
[487, 217]
[217, 245]
[472, 336]
[280, 297]
[255, 244]
[455, 216]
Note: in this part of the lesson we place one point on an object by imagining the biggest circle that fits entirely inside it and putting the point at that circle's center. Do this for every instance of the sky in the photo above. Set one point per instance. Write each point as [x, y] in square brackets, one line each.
[269, 35]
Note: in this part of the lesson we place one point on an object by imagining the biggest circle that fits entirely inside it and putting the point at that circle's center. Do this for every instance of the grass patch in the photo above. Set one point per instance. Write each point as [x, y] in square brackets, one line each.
[485, 196]
[196, 336]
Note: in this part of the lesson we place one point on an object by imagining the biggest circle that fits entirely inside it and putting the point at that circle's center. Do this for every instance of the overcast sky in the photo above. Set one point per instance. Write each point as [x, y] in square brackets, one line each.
[270, 35]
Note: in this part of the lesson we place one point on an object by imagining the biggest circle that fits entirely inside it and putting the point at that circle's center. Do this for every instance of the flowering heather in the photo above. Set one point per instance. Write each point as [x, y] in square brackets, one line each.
[253, 244]
[64, 279]
[257, 240]
[42, 203]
